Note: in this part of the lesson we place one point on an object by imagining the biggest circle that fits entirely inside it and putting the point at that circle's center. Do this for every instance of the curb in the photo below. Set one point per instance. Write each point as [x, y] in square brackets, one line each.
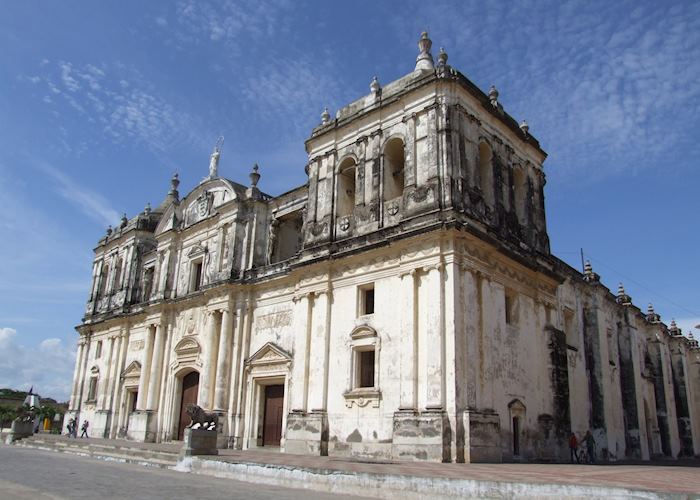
[403, 486]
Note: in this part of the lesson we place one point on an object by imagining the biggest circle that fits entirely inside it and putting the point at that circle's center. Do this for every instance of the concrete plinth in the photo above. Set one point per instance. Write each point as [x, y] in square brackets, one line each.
[421, 436]
[199, 442]
[142, 426]
[482, 437]
[99, 427]
[307, 433]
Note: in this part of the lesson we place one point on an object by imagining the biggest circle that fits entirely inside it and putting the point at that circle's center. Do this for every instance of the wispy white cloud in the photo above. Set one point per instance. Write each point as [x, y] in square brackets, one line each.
[604, 87]
[89, 202]
[48, 366]
[228, 20]
[291, 92]
[119, 102]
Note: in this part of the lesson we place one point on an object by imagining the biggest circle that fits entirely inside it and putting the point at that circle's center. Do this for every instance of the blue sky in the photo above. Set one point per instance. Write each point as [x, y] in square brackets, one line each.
[101, 102]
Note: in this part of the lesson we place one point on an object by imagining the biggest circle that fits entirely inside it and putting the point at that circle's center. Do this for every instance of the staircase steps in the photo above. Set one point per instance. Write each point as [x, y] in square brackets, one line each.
[118, 452]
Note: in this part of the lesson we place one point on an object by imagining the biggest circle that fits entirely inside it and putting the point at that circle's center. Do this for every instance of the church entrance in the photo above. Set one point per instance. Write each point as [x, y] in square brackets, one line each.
[272, 419]
[190, 391]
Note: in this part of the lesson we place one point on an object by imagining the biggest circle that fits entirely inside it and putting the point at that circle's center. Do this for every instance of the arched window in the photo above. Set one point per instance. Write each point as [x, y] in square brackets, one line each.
[118, 274]
[520, 193]
[104, 276]
[394, 161]
[346, 188]
[517, 416]
[486, 172]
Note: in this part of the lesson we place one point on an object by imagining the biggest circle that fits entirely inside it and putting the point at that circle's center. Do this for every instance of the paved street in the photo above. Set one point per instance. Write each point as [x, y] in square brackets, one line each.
[35, 474]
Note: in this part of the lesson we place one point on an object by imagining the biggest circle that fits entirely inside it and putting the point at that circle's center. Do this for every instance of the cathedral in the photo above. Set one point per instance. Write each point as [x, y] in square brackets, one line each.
[401, 304]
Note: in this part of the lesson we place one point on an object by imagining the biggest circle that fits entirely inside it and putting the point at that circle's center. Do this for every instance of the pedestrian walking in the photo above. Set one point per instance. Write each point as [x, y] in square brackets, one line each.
[573, 448]
[71, 427]
[589, 440]
[84, 429]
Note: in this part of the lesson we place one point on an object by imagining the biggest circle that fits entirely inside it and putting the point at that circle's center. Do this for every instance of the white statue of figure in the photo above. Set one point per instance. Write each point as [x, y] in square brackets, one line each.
[214, 158]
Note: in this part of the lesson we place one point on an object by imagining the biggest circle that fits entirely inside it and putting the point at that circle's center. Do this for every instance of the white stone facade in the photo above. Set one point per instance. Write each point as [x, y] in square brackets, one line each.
[402, 304]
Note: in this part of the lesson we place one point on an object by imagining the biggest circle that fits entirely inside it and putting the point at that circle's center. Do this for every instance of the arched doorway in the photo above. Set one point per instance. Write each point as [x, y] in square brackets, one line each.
[190, 391]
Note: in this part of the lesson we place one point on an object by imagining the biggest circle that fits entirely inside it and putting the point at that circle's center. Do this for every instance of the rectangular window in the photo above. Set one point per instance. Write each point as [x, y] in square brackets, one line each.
[366, 300]
[98, 349]
[92, 391]
[366, 366]
[196, 276]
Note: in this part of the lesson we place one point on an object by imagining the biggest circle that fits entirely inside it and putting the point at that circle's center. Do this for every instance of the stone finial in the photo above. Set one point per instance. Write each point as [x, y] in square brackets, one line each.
[524, 127]
[588, 274]
[424, 61]
[124, 221]
[652, 317]
[442, 57]
[147, 209]
[325, 116]
[493, 96]
[622, 297]
[673, 328]
[174, 183]
[693, 341]
[254, 176]
[374, 87]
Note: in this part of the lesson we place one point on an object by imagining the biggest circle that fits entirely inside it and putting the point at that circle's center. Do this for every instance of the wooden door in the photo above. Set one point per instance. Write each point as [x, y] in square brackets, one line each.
[272, 420]
[190, 391]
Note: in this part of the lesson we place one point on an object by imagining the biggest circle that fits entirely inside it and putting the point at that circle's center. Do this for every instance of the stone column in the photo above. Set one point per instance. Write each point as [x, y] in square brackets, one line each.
[145, 370]
[410, 151]
[300, 367]
[434, 338]
[670, 399]
[408, 380]
[103, 392]
[156, 364]
[83, 371]
[236, 375]
[165, 381]
[206, 386]
[114, 403]
[318, 352]
[223, 362]
[76, 374]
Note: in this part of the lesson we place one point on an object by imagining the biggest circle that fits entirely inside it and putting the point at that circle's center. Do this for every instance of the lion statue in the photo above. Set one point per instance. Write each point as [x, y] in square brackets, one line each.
[201, 419]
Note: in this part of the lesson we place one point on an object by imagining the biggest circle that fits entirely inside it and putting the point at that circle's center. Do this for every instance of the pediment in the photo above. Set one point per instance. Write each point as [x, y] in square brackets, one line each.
[187, 346]
[363, 331]
[133, 370]
[196, 251]
[269, 354]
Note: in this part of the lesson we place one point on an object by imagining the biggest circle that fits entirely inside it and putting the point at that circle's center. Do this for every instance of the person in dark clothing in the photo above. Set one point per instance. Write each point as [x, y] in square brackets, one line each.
[573, 448]
[589, 440]
[84, 429]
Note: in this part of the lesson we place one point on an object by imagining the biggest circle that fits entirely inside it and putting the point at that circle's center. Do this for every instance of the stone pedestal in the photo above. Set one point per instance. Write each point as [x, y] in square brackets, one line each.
[199, 442]
[482, 437]
[142, 426]
[421, 435]
[20, 430]
[307, 433]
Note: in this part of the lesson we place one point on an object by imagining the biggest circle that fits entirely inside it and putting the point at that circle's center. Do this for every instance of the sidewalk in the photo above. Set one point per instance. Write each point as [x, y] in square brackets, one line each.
[426, 479]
